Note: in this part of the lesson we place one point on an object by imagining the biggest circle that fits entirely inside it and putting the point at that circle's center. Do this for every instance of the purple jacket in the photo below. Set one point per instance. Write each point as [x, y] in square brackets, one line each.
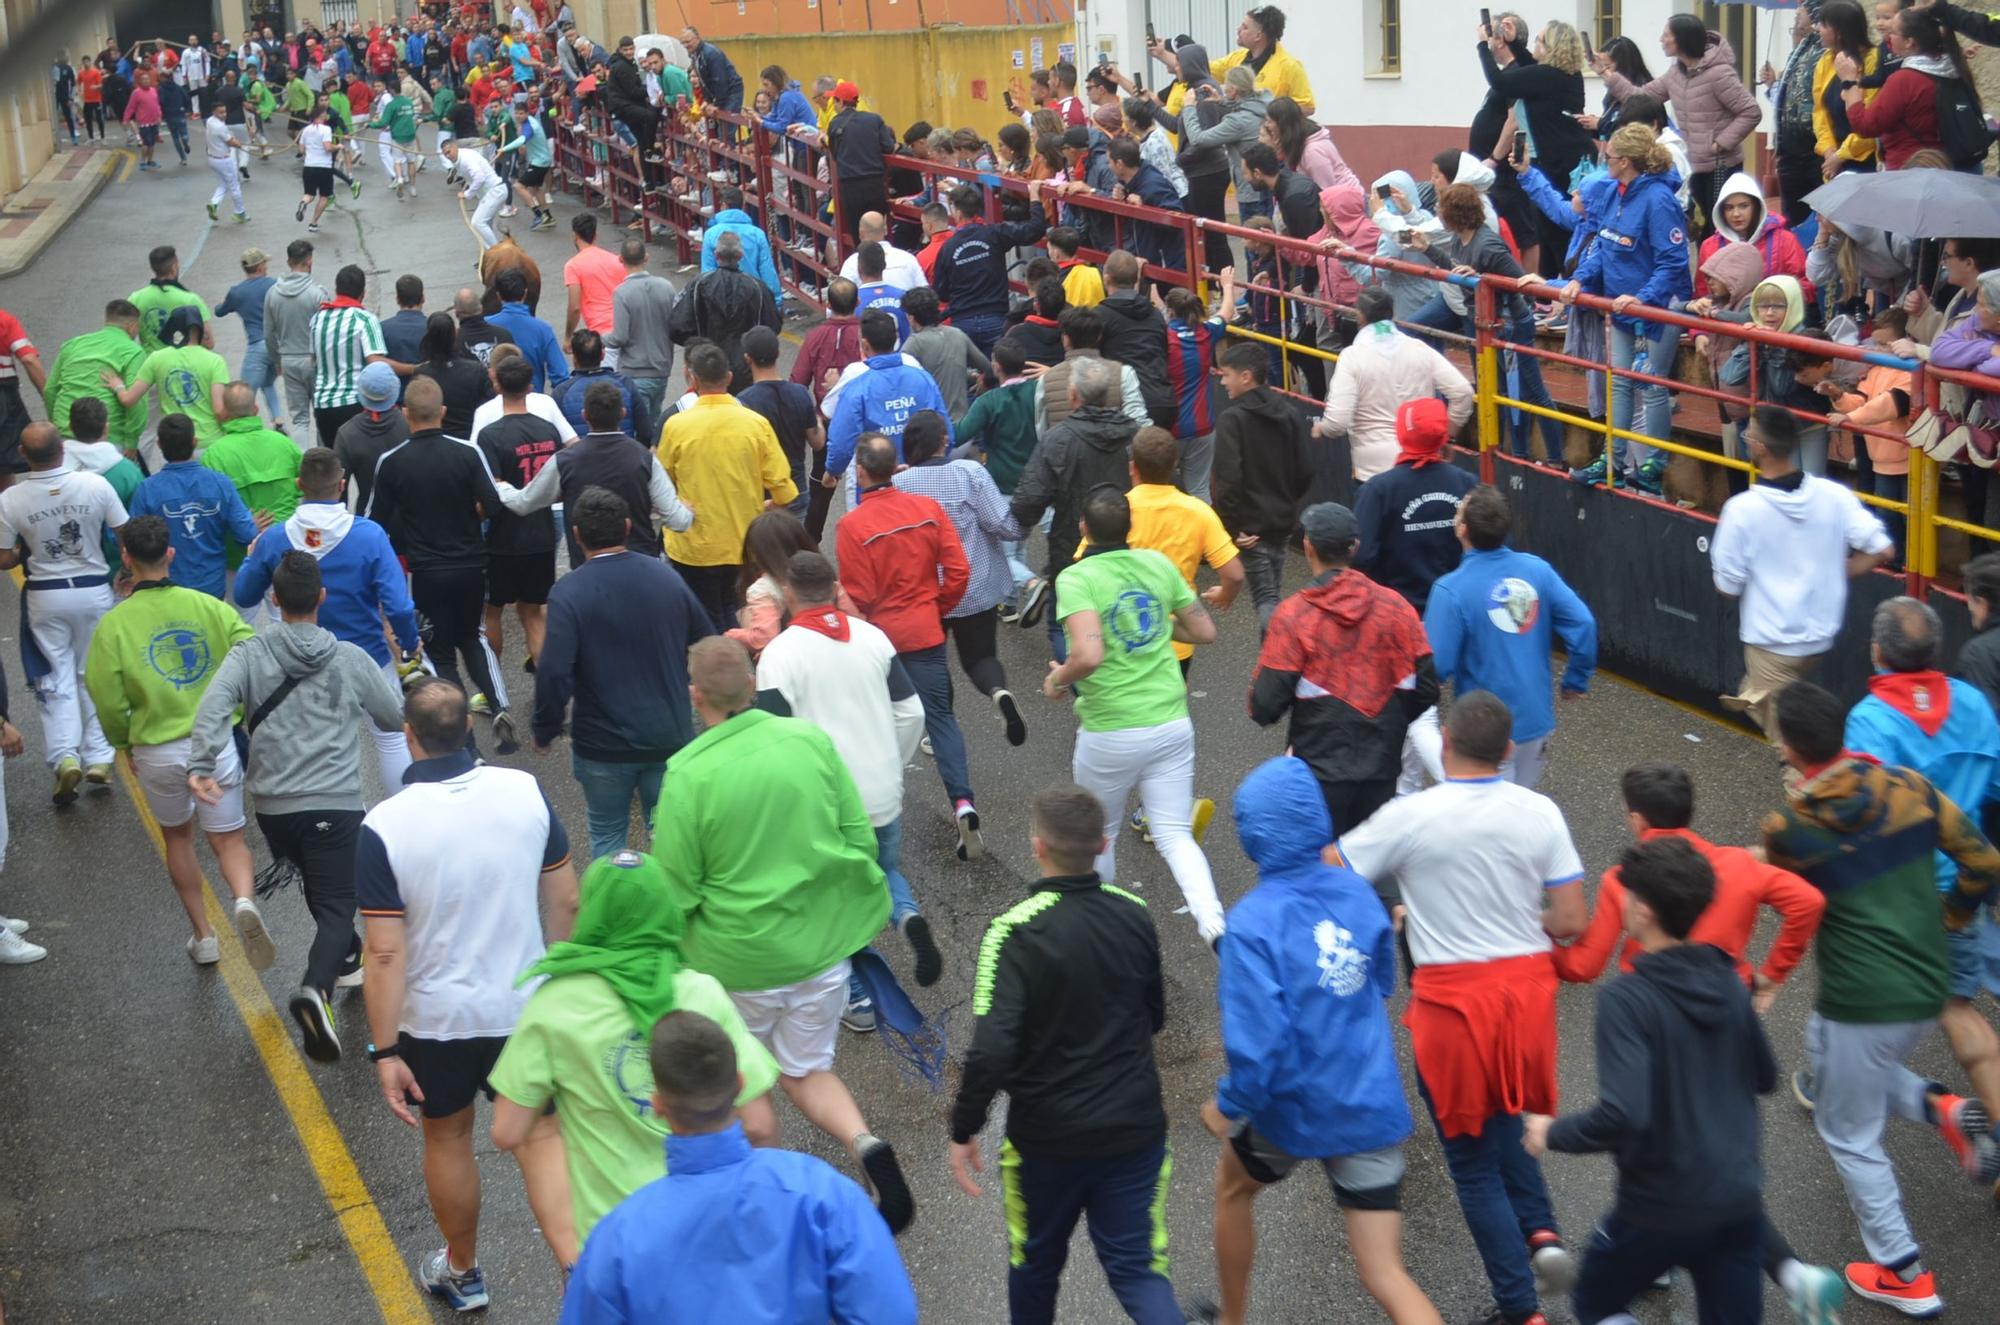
[1964, 345]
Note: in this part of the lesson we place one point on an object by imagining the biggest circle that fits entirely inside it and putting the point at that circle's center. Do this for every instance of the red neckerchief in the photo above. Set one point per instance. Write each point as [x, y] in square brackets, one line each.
[1041, 321]
[1922, 697]
[343, 301]
[828, 621]
[1418, 459]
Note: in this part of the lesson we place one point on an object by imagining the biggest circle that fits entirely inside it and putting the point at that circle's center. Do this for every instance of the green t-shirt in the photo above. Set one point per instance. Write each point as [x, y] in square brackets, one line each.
[154, 301]
[576, 1044]
[183, 377]
[343, 113]
[1135, 593]
[298, 97]
[400, 118]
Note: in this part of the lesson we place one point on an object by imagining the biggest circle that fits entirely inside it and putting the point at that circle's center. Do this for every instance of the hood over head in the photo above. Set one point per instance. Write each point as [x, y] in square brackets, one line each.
[1795, 300]
[1740, 184]
[299, 647]
[1740, 269]
[1473, 171]
[1699, 979]
[1281, 816]
[1388, 218]
[1193, 59]
[1346, 207]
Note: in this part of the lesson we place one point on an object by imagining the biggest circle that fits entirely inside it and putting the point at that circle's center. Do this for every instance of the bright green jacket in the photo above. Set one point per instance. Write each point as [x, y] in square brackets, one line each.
[298, 97]
[79, 371]
[258, 93]
[768, 853]
[152, 657]
[264, 466]
[399, 117]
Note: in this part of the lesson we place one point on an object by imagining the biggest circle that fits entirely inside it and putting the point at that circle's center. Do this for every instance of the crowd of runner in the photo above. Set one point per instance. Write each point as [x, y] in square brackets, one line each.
[230, 589]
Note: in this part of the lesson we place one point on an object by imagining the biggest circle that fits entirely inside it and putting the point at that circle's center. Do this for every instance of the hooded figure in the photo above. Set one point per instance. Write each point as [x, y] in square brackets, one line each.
[1730, 275]
[1393, 220]
[1774, 372]
[183, 327]
[1775, 243]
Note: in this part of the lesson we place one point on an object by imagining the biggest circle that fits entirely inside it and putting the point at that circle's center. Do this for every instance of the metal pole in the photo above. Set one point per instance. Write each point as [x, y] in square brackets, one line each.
[1486, 370]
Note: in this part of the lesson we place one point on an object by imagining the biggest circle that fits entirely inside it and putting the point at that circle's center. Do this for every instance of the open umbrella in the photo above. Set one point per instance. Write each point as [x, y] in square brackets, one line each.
[677, 54]
[1917, 204]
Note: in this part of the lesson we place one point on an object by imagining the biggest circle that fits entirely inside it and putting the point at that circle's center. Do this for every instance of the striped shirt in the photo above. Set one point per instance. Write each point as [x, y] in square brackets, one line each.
[13, 340]
[982, 518]
[343, 338]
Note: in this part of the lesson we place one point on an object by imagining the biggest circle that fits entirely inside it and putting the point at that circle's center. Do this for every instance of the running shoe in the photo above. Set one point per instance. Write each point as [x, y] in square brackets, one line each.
[316, 1026]
[461, 1290]
[17, 951]
[1916, 1297]
[885, 1181]
[480, 704]
[1010, 713]
[1969, 1132]
[1820, 1296]
[1010, 614]
[1805, 1089]
[300, 214]
[1649, 477]
[243, 218]
[354, 187]
[1591, 475]
[505, 739]
[970, 846]
[1137, 821]
[397, 187]
[859, 1015]
[204, 952]
[97, 775]
[313, 229]
[543, 221]
[257, 945]
[510, 212]
[924, 744]
[351, 979]
[1033, 598]
[69, 774]
[1204, 814]
[214, 213]
[14, 926]
[916, 932]
[1554, 1267]
[1201, 1312]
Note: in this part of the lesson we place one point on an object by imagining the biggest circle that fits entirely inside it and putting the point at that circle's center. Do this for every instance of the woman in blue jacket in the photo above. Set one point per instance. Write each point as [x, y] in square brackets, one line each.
[1581, 214]
[1641, 257]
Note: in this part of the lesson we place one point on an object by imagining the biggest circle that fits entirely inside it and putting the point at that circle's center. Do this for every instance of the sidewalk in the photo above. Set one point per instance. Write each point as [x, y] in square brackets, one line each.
[59, 190]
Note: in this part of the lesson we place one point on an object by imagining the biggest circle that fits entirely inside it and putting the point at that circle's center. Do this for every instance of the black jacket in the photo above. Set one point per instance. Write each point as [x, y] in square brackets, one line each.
[1136, 334]
[620, 464]
[1040, 339]
[722, 306]
[429, 494]
[1078, 1086]
[860, 141]
[1297, 199]
[1979, 661]
[625, 93]
[1406, 514]
[1681, 1060]
[1092, 446]
[466, 386]
[1263, 467]
[970, 275]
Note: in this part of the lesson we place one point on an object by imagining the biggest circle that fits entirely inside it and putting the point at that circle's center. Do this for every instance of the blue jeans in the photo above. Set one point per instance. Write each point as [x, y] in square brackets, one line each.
[1437, 315]
[1623, 1261]
[1124, 1197]
[889, 855]
[1529, 371]
[983, 328]
[608, 788]
[1501, 1193]
[649, 400]
[930, 673]
[179, 129]
[257, 374]
[1656, 402]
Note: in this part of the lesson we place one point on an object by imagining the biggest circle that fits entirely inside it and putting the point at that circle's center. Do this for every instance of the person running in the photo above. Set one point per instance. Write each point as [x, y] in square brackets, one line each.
[260, 461]
[1121, 608]
[824, 1254]
[148, 711]
[431, 496]
[189, 375]
[246, 300]
[520, 549]
[365, 585]
[1681, 1060]
[316, 145]
[1086, 1127]
[223, 145]
[379, 428]
[486, 191]
[399, 153]
[531, 140]
[346, 338]
[1492, 622]
[886, 393]
[52, 525]
[289, 308]
[78, 374]
[1867, 836]
[465, 878]
[770, 857]
[1263, 470]
[1347, 661]
[1482, 1015]
[202, 509]
[161, 296]
[1312, 1072]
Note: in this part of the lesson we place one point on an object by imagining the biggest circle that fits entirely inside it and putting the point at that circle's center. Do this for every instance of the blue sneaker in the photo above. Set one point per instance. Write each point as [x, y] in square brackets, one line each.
[1818, 1296]
[461, 1290]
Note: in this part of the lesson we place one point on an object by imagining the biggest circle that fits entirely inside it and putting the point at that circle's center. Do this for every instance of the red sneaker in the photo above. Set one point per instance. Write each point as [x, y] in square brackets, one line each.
[1963, 1124]
[1878, 1284]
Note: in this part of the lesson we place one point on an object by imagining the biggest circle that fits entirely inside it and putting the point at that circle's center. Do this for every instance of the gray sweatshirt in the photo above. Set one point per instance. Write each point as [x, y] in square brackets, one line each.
[304, 755]
[642, 309]
[288, 309]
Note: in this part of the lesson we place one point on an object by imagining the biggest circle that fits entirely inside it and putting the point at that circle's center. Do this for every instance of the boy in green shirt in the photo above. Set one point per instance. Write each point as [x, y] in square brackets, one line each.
[582, 1041]
[261, 462]
[79, 368]
[158, 298]
[189, 375]
[152, 657]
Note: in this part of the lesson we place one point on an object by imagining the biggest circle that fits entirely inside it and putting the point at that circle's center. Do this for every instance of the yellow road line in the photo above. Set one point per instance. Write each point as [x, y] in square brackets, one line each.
[326, 1150]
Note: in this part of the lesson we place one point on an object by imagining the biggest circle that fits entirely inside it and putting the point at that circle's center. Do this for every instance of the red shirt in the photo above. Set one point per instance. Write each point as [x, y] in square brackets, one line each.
[13, 340]
[834, 343]
[1072, 110]
[381, 56]
[902, 563]
[927, 256]
[91, 79]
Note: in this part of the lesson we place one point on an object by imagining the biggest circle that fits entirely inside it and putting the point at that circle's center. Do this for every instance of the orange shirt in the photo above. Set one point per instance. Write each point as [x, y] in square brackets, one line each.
[91, 79]
[594, 272]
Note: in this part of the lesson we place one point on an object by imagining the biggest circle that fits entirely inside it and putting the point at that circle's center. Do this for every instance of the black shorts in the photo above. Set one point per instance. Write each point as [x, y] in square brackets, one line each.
[1371, 1180]
[520, 579]
[319, 182]
[13, 418]
[451, 1072]
[532, 176]
[149, 134]
[298, 125]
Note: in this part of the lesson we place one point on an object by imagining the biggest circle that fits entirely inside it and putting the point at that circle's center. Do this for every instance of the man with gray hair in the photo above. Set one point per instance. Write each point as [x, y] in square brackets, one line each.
[1914, 716]
[900, 268]
[721, 305]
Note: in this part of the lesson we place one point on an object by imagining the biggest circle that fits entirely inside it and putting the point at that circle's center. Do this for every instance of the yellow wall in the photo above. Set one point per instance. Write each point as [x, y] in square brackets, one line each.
[27, 139]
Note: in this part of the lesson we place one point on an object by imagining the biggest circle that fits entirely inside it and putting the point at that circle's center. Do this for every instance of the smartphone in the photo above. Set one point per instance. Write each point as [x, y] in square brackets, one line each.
[1150, 36]
[1138, 82]
[1486, 21]
[1589, 56]
[1104, 59]
[1382, 192]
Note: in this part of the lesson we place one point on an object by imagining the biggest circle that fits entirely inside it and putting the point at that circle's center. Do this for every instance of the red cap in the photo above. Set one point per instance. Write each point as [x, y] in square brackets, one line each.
[1422, 425]
[846, 92]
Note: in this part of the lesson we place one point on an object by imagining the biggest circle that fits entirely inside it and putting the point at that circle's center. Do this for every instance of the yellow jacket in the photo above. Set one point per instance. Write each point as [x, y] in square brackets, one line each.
[1083, 285]
[1282, 75]
[723, 457]
[1854, 147]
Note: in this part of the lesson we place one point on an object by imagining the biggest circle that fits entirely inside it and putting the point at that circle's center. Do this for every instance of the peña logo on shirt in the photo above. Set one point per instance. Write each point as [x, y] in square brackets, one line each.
[1343, 968]
[1513, 605]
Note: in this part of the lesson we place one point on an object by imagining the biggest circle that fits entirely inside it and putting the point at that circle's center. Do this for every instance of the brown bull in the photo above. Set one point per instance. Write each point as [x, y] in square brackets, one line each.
[508, 256]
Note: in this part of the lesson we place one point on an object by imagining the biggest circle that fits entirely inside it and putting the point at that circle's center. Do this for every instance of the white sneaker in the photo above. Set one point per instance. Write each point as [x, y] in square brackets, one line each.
[17, 951]
[257, 945]
[204, 952]
[18, 926]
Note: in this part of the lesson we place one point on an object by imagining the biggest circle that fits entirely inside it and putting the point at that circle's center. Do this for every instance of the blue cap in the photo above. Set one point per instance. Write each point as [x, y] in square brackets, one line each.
[377, 387]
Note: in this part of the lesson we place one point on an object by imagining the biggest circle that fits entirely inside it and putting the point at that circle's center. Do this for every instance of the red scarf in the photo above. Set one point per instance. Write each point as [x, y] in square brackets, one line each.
[829, 621]
[1922, 697]
[1418, 459]
[343, 301]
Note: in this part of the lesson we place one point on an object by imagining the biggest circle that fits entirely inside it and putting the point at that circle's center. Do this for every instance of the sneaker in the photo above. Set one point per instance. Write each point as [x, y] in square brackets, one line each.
[214, 212]
[316, 1027]
[351, 979]
[1648, 477]
[354, 187]
[480, 704]
[243, 218]
[885, 1181]
[17, 951]
[1010, 713]
[1591, 475]
[300, 214]
[1877, 1283]
[257, 945]
[545, 221]
[1034, 597]
[242, 171]
[461, 1290]
[1554, 1267]
[505, 740]
[313, 229]
[1804, 1089]
[916, 932]
[14, 926]
[1010, 614]
[970, 847]
[69, 774]
[1202, 1311]
[924, 744]
[97, 775]
[1969, 1132]
[859, 1015]
[1821, 1294]
[510, 212]
[204, 952]
[1204, 815]
[528, 664]
[1137, 821]
[397, 188]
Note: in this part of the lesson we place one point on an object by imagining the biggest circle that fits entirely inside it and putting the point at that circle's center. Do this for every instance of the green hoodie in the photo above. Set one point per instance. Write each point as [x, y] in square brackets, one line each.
[264, 466]
[298, 97]
[152, 657]
[768, 853]
[260, 98]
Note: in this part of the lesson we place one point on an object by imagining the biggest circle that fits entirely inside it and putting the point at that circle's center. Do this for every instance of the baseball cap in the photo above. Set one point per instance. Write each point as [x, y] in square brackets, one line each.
[845, 91]
[1422, 425]
[760, 346]
[1076, 138]
[183, 326]
[377, 387]
[254, 258]
[1328, 524]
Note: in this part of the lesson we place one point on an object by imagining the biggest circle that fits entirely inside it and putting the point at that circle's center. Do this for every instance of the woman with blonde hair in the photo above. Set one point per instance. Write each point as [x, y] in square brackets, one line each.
[1546, 93]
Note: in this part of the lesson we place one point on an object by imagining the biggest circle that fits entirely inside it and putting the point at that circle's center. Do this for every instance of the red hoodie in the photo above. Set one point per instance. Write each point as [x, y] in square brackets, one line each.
[902, 563]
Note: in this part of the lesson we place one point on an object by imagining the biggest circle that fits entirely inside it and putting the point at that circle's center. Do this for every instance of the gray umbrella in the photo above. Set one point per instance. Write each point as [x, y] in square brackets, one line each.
[1917, 204]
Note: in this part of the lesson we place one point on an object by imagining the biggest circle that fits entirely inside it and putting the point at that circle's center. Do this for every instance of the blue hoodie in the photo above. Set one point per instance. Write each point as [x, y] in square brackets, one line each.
[1492, 622]
[364, 581]
[1961, 759]
[537, 341]
[881, 400]
[792, 110]
[756, 248]
[1307, 966]
[1642, 247]
[204, 513]
[1597, 191]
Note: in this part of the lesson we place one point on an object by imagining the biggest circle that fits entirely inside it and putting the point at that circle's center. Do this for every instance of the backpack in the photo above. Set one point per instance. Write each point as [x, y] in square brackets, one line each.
[1962, 129]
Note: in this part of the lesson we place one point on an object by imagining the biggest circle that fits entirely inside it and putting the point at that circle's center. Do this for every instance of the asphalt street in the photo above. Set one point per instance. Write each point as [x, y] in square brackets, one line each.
[165, 1154]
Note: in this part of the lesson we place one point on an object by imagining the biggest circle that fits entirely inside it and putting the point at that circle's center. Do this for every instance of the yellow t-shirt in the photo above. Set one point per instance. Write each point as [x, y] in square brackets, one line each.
[1183, 529]
[723, 457]
[1282, 75]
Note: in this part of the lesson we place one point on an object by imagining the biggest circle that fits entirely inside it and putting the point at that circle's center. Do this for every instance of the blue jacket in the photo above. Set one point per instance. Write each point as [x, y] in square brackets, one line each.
[1492, 623]
[1307, 966]
[1597, 191]
[246, 299]
[569, 398]
[1160, 245]
[793, 109]
[1642, 246]
[1962, 760]
[203, 512]
[537, 340]
[881, 400]
[756, 248]
[755, 1237]
[364, 581]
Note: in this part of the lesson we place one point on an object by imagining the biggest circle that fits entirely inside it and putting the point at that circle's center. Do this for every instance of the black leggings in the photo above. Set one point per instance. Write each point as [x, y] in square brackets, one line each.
[93, 119]
[1701, 195]
[451, 607]
[1206, 197]
[977, 636]
[321, 843]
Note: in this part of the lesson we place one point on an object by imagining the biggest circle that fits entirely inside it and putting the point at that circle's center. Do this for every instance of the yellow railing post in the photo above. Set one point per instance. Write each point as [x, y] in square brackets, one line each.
[1922, 533]
[1486, 375]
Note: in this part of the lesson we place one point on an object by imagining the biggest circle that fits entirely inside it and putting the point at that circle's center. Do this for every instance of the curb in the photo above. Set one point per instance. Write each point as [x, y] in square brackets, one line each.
[49, 202]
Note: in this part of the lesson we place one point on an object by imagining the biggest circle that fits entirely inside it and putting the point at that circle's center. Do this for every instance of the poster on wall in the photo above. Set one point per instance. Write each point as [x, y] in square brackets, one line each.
[1020, 59]
[1035, 53]
[1066, 52]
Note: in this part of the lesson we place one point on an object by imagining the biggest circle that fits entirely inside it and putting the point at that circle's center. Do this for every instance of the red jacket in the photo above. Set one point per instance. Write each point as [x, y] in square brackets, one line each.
[1743, 883]
[834, 343]
[902, 563]
[1902, 118]
[381, 56]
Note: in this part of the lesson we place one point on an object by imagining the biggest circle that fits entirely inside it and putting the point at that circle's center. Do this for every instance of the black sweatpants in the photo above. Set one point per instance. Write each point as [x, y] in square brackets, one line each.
[819, 498]
[977, 636]
[451, 607]
[714, 588]
[1350, 803]
[329, 421]
[321, 843]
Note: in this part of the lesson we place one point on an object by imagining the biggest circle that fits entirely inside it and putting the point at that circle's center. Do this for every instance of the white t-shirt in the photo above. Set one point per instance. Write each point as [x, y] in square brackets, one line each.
[58, 518]
[843, 687]
[219, 134]
[1473, 858]
[900, 269]
[317, 140]
[541, 405]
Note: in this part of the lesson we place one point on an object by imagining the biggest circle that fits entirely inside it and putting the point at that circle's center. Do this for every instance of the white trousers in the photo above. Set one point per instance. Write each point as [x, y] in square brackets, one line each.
[389, 157]
[392, 752]
[489, 207]
[228, 183]
[62, 622]
[1159, 763]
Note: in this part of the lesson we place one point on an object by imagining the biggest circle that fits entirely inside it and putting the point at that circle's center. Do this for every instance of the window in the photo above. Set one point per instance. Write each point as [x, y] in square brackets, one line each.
[1382, 36]
[1602, 21]
[1738, 25]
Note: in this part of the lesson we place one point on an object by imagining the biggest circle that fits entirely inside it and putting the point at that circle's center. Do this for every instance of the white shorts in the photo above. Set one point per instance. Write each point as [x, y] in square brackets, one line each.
[163, 777]
[799, 1023]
